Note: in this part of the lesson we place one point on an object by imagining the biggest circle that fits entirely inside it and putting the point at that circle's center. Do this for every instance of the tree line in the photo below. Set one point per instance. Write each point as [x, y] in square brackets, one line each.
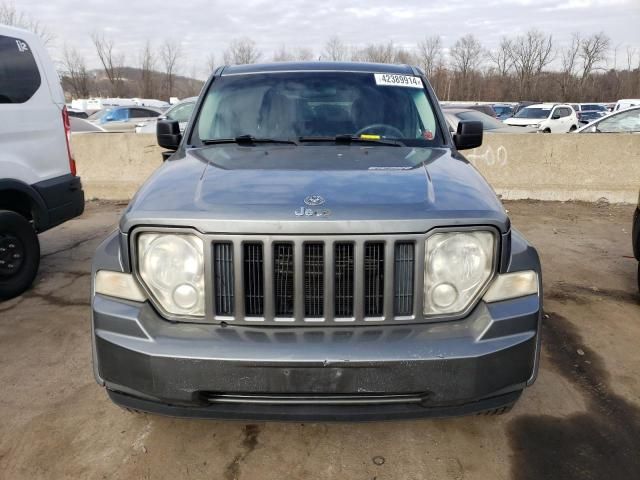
[531, 66]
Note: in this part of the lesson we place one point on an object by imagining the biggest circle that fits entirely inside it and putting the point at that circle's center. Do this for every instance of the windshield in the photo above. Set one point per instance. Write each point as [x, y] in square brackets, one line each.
[291, 105]
[531, 112]
[99, 114]
[502, 109]
[488, 123]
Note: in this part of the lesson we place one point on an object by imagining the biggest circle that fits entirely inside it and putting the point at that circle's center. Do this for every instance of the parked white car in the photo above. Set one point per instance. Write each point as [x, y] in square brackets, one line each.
[546, 118]
[39, 188]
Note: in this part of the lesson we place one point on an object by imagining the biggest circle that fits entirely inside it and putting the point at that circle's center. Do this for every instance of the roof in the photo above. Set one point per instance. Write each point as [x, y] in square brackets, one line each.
[542, 105]
[11, 30]
[317, 67]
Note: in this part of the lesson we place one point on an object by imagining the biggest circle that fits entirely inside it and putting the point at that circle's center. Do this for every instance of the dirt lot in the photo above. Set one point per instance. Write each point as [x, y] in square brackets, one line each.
[580, 420]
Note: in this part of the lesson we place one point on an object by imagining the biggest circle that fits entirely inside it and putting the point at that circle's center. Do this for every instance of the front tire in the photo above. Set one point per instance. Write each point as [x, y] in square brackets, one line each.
[19, 254]
[573, 128]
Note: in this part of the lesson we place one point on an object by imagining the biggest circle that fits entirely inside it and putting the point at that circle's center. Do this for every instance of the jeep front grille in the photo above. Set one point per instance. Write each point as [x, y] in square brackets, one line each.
[275, 280]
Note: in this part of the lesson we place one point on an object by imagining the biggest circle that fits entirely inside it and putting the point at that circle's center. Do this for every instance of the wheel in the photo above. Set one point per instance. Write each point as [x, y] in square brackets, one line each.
[573, 128]
[546, 130]
[19, 254]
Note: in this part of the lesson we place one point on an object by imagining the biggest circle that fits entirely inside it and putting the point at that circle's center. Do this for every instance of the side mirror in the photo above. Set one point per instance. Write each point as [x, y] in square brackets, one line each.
[555, 116]
[468, 135]
[168, 134]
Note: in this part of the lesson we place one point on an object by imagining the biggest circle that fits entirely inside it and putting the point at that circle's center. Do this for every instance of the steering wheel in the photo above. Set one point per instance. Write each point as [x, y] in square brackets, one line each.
[384, 126]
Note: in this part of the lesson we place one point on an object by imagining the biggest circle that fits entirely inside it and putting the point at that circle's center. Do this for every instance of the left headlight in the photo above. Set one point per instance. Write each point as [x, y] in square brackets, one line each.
[171, 265]
[458, 266]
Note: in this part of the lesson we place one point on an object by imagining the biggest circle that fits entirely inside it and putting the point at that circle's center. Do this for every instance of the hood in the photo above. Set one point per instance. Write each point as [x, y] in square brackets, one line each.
[523, 121]
[245, 189]
[514, 129]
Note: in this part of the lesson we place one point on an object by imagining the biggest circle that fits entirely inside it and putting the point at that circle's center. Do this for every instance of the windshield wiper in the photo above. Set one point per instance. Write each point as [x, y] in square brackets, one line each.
[247, 140]
[347, 139]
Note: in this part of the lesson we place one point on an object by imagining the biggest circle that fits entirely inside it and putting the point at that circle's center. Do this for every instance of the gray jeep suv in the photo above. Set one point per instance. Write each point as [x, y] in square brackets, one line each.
[316, 249]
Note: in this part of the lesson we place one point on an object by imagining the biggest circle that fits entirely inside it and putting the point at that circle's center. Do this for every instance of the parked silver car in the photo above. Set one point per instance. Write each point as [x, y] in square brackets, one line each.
[489, 124]
[621, 121]
[123, 119]
[181, 112]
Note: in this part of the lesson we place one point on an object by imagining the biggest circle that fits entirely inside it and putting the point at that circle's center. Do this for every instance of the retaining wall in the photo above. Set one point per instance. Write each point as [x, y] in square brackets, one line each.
[584, 167]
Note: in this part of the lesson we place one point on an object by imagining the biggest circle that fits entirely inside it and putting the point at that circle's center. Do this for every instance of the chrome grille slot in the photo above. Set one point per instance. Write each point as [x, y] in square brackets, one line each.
[283, 279]
[253, 279]
[403, 274]
[223, 282]
[313, 280]
[343, 279]
[373, 279]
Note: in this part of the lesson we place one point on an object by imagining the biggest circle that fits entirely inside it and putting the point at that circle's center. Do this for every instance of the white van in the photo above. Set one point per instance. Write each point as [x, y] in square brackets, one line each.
[626, 103]
[39, 188]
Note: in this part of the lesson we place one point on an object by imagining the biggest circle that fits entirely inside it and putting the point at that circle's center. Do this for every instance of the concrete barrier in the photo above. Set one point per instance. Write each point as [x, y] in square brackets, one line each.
[541, 167]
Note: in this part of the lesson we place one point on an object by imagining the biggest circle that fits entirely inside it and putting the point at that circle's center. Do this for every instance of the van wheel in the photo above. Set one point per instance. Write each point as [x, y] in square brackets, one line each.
[19, 254]
[546, 130]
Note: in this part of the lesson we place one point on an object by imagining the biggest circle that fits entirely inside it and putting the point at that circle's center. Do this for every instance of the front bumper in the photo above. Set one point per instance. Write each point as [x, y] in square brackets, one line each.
[479, 363]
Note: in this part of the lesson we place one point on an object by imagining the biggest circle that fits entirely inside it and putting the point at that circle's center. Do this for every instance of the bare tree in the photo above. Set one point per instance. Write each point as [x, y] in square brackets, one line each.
[242, 51]
[76, 72]
[112, 62]
[169, 55]
[501, 57]
[593, 51]
[304, 54]
[569, 62]
[285, 55]
[531, 53]
[335, 50]
[630, 54]
[382, 53]
[147, 68]
[466, 55]
[430, 55]
[282, 55]
[211, 63]
[10, 15]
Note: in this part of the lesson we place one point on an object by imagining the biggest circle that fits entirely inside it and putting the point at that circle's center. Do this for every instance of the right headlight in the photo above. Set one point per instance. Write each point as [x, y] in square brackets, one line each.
[458, 266]
[171, 266]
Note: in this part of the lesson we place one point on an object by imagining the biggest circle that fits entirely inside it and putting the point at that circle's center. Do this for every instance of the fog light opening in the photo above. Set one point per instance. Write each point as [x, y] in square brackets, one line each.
[444, 295]
[185, 296]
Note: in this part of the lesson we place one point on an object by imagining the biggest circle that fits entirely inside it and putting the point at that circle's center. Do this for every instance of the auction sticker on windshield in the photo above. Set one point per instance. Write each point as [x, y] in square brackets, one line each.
[397, 80]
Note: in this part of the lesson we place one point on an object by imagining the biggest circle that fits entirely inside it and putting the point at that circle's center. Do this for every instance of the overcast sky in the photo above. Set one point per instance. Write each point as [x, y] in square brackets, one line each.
[207, 26]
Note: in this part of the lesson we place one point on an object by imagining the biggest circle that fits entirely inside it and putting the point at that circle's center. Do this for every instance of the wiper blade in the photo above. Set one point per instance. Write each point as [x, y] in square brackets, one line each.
[247, 140]
[347, 139]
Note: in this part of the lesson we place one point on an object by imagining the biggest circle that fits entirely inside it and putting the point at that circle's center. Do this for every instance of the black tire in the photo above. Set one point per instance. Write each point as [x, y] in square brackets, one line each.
[546, 130]
[19, 254]
[573, 128]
